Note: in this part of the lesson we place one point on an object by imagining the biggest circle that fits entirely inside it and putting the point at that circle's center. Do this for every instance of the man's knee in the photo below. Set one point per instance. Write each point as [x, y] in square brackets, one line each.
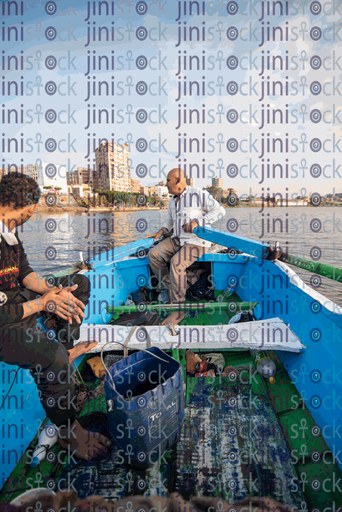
[67, 333]
[82, 282]
[195, 252]
[60, 369]
[152, 254]
[178, 262]
[51, 366]
[82, 291]
[57, 358]
[62, 356]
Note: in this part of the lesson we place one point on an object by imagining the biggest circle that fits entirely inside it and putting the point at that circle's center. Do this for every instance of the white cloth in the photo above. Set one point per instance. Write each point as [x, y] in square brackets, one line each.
[8, 235]
[194, 204]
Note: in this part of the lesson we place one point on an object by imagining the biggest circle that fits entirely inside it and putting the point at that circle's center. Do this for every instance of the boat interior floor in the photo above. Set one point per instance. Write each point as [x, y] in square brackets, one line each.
[240, 437]
[197, 315]
[235, 442]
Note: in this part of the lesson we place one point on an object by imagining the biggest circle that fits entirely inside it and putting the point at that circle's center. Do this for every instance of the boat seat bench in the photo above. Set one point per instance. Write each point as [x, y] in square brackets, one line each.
[271, 334]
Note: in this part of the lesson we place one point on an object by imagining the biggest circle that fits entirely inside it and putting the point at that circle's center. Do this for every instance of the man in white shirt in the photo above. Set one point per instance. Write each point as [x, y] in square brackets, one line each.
[189, 208]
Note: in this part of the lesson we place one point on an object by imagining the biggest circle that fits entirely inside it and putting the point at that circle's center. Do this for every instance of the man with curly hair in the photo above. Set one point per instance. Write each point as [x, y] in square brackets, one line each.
[25, 296]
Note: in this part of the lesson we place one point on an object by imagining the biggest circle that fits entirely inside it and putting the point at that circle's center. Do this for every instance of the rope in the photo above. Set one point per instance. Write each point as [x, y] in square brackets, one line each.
[126, 348]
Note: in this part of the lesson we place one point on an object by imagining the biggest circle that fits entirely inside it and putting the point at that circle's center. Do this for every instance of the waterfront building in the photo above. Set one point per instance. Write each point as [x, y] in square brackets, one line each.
[217, 182]
[112, 166]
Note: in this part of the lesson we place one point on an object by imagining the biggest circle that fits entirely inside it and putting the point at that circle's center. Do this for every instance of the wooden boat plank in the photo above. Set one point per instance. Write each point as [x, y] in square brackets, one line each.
[115, 480]
[272, 334]
[231, 445]
[208, 460]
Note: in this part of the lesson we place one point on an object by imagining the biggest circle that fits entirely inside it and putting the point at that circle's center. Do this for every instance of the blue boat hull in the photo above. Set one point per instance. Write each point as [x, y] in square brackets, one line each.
[316, 372]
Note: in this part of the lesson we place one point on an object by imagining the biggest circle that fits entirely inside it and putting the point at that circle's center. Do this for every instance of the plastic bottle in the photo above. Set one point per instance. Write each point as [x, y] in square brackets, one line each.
[48, 437]
[264, 365]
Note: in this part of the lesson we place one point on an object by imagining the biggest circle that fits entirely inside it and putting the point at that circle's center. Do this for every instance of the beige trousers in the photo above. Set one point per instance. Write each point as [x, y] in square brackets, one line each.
[180, 258]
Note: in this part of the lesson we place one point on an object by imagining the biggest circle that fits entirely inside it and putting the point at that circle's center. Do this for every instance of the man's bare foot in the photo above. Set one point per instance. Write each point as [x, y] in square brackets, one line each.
[175, 318]
[81, 348]
[87, 445]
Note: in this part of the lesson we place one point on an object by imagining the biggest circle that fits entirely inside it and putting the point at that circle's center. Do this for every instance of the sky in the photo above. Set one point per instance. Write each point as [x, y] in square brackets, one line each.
[149, 90]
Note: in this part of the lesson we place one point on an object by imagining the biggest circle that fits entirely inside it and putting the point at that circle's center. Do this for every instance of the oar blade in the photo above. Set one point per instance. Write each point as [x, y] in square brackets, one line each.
[240, 243]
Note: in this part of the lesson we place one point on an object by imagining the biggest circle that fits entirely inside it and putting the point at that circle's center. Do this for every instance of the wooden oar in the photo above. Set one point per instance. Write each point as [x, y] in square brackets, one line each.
[240, 243]
[232, 306]
[262, 250]
[320, 269]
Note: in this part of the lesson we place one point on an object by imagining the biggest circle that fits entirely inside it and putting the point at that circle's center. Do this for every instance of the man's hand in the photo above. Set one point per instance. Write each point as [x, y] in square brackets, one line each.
[190, 226]
[156, 235]
[62, 302]
[67, 293]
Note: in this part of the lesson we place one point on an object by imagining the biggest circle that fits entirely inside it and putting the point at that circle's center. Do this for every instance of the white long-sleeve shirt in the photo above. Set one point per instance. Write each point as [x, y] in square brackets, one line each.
[194, 204]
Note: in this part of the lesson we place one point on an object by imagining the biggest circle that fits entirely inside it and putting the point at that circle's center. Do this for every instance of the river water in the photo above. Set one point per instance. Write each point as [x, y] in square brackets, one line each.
[53, 242]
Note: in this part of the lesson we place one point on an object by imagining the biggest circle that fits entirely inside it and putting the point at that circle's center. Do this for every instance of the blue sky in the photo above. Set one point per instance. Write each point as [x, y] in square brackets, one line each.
[160, 130]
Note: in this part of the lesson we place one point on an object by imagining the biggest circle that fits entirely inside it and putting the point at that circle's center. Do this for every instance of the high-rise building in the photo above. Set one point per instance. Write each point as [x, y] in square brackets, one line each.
[83, 176]
[217, 182]
[112, 166]
[144, 190]
[29, 170]
[228, 192]
[155, 190]
[135, 185]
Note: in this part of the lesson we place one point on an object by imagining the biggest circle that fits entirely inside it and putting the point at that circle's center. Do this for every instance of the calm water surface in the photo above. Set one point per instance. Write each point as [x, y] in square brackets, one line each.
[54, 242]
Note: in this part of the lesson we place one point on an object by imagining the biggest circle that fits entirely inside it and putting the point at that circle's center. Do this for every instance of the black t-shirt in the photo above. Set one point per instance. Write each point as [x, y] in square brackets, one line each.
[14, 267]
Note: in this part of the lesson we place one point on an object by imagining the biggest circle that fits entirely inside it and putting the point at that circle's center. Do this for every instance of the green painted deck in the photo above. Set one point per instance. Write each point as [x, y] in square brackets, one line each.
[213, 317]
[198, 316]
[238, 439]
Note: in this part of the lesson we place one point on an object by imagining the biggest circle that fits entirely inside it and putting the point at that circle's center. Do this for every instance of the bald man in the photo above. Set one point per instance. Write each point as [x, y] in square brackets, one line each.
[188, 208]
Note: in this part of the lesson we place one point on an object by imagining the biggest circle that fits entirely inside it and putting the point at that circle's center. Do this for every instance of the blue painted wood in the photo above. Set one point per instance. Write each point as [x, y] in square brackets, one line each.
[21, 415]
[240, 243]
[120, 252]
[111, 285]
[227, 272]
[317, 372]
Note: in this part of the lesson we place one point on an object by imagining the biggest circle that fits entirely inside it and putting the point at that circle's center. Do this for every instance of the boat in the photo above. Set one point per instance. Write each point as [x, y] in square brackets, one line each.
[240, 437]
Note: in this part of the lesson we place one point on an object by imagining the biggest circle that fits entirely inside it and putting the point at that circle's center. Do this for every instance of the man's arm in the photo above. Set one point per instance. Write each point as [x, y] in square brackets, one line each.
[167, 225]
[67, 305]
[30, 279]
[214, 210]
[53, 302]
[56, 301]
[37, 283]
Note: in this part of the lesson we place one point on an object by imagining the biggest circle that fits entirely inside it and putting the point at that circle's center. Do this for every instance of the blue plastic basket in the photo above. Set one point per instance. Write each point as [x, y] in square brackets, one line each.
[145, 405]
